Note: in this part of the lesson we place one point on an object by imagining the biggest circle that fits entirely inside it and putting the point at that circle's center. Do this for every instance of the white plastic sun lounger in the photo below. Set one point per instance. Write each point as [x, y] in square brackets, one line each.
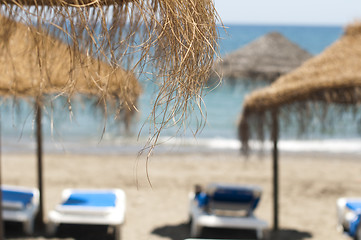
[349, 216]
[20, 204]
[225, 206]
[89, 207]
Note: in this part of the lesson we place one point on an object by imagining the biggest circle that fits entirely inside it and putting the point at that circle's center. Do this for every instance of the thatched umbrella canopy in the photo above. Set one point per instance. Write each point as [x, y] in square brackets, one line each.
[174, 40]
[32, 64]
[333, 77]
[265, 58]
[26, 73]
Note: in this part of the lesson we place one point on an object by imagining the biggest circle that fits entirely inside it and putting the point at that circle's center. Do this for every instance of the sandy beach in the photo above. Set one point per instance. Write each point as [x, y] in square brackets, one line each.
[309, 187]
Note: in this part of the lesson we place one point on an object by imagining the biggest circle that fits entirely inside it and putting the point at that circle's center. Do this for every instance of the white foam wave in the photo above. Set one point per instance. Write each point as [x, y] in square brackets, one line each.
[327, 145]
[132, 145]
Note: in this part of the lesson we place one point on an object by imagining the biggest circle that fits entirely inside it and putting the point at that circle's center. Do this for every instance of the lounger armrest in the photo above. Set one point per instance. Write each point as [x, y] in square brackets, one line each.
[11, 205]
[84, 210]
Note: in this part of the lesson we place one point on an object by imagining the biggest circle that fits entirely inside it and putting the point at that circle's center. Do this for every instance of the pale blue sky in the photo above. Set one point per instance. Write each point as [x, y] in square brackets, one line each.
[300, 12]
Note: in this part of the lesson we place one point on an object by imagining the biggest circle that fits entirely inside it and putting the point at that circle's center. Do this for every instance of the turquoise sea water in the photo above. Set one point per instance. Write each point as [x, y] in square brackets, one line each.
[84, 133]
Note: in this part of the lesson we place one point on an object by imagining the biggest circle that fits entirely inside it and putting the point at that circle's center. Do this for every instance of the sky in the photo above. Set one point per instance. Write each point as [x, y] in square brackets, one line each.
[289, 12]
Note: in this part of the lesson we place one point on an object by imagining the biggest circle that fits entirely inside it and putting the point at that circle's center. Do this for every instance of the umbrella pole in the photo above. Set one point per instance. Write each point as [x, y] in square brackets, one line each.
[1, 195]
[39, 217]
[275, 132]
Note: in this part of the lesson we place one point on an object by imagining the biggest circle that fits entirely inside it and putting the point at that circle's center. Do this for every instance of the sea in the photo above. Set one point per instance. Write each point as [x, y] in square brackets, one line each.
[86, 131]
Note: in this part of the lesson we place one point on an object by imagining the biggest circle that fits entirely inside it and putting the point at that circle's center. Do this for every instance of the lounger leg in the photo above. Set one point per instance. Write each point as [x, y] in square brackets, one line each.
[51, 228]
[195, 229]
[259, 233]
[28, 227]
[117, 232]
[358, 233]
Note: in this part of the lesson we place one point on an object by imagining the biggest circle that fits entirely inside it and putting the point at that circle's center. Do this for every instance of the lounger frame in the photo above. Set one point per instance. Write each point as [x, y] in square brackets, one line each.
[346, 217]
[199, 218]
[15, 212]
[111, 216]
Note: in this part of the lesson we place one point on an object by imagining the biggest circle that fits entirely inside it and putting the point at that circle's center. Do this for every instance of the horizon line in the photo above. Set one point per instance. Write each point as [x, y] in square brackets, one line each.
[225, 23]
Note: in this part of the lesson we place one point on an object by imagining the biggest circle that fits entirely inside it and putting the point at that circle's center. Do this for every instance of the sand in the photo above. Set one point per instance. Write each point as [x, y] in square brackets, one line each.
[309, 187]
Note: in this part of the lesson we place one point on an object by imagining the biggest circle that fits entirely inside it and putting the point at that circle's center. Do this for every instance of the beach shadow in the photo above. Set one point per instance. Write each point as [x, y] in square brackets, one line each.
[286, 234]
[174, 232]
[84, 232]
[226, 233]
[65, 232]
[181, 232]
[13, 230]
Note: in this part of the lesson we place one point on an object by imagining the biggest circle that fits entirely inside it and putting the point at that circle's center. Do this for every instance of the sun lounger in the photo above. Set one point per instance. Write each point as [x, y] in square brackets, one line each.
[225, 206]
[20, 204]
[89, 207]
[348, 216]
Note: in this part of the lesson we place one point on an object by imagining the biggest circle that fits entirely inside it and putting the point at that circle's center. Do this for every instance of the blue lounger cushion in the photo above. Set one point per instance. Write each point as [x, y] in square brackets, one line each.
[354, 205]
[234, 194]
[16, 199]
[104, 199]
[89, 202]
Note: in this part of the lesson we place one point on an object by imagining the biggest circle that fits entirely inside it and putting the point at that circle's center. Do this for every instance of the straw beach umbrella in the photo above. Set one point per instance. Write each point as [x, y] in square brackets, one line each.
[333, 77]
[265, 58]
[174, 40]
[25, 73]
